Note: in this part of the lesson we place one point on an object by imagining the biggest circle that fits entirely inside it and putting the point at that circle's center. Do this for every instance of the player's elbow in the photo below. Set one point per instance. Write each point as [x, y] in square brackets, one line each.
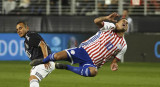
[96, 21]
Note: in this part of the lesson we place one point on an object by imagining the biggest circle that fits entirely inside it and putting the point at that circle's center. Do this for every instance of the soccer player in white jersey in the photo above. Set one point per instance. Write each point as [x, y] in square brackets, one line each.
[107, 43]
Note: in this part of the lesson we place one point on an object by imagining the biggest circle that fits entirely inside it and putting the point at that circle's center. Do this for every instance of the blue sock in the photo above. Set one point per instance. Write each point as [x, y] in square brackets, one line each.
[50, 57]
[83, 71]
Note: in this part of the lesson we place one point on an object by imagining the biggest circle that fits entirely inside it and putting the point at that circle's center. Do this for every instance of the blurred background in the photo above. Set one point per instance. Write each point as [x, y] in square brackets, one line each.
[66, 23]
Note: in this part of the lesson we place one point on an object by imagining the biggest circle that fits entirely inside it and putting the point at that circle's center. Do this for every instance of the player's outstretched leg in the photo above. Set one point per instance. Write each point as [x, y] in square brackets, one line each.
[42, 61]
[52, 57]
[86, 71]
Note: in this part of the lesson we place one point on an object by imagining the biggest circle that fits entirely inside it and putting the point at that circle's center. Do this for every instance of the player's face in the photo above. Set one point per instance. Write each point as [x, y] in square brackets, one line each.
[122, 25]
[21, 29]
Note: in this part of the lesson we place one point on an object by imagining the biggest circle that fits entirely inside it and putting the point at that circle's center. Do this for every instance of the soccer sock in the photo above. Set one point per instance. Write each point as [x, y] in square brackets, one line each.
[83, 71]
[34, 83]
[50, 57]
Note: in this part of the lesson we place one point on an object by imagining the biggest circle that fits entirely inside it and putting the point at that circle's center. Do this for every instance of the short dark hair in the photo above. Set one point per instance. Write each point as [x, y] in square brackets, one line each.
[25, 24]
[120, 19]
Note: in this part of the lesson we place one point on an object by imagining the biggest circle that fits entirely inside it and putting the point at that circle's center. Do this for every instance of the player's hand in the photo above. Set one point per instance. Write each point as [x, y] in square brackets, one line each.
[112, 17]
[47, 65]
[114, 66]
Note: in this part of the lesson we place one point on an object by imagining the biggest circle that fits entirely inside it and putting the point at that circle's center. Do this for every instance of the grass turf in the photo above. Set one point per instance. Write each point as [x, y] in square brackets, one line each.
[16, 74]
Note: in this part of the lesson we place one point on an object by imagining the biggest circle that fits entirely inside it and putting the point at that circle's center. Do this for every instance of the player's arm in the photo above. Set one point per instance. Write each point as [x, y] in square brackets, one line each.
[36, 41]
[114, 65]
[45, 52]
[43, 48]
[118, 57]
[99, 21]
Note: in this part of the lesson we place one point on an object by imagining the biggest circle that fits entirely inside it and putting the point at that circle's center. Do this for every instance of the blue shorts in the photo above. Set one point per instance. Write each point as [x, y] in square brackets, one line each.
[79, 55]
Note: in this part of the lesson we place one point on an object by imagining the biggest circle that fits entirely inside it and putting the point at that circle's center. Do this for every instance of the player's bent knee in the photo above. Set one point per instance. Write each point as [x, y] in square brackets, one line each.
[33, 77]
[93, 71]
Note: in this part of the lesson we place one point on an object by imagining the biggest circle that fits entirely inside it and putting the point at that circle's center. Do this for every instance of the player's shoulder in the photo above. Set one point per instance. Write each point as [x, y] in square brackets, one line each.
[108, 26]
[125, 43]
[32, 34]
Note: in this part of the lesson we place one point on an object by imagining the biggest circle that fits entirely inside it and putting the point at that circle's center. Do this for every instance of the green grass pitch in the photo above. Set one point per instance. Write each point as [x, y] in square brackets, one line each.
[16, 74]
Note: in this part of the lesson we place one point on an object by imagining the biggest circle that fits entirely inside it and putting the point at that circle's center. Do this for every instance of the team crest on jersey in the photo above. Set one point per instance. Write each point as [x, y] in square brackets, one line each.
[119, 46]
[72, 52]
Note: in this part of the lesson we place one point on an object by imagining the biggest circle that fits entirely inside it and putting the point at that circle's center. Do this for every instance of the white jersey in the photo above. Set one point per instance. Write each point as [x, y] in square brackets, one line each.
[105, 44]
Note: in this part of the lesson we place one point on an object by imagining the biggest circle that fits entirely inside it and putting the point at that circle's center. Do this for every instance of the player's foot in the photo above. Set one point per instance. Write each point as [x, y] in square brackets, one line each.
[60, 66]
[36, 62]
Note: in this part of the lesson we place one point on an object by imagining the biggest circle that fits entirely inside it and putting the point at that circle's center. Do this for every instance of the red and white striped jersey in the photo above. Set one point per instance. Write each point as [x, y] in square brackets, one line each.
[105, 44]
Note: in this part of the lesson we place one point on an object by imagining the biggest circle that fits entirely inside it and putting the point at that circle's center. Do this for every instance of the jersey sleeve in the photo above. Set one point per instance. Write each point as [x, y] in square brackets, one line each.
[107, 26]
[35, 40]
[120, 55]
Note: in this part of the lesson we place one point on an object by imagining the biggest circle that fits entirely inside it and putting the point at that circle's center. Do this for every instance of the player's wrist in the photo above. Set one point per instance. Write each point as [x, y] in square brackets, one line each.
[115, 60]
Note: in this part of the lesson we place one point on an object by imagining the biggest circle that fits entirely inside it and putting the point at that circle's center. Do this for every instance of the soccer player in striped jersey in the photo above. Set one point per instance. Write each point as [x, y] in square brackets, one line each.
[106, 44]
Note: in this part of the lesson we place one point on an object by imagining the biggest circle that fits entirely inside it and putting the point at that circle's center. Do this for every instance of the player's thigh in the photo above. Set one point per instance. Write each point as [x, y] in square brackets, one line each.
[93, 71]
[62, 55]
[40, 71]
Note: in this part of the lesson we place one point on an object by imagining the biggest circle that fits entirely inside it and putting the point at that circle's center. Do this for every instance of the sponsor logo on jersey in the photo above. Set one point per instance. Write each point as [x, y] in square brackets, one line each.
[119, 46]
